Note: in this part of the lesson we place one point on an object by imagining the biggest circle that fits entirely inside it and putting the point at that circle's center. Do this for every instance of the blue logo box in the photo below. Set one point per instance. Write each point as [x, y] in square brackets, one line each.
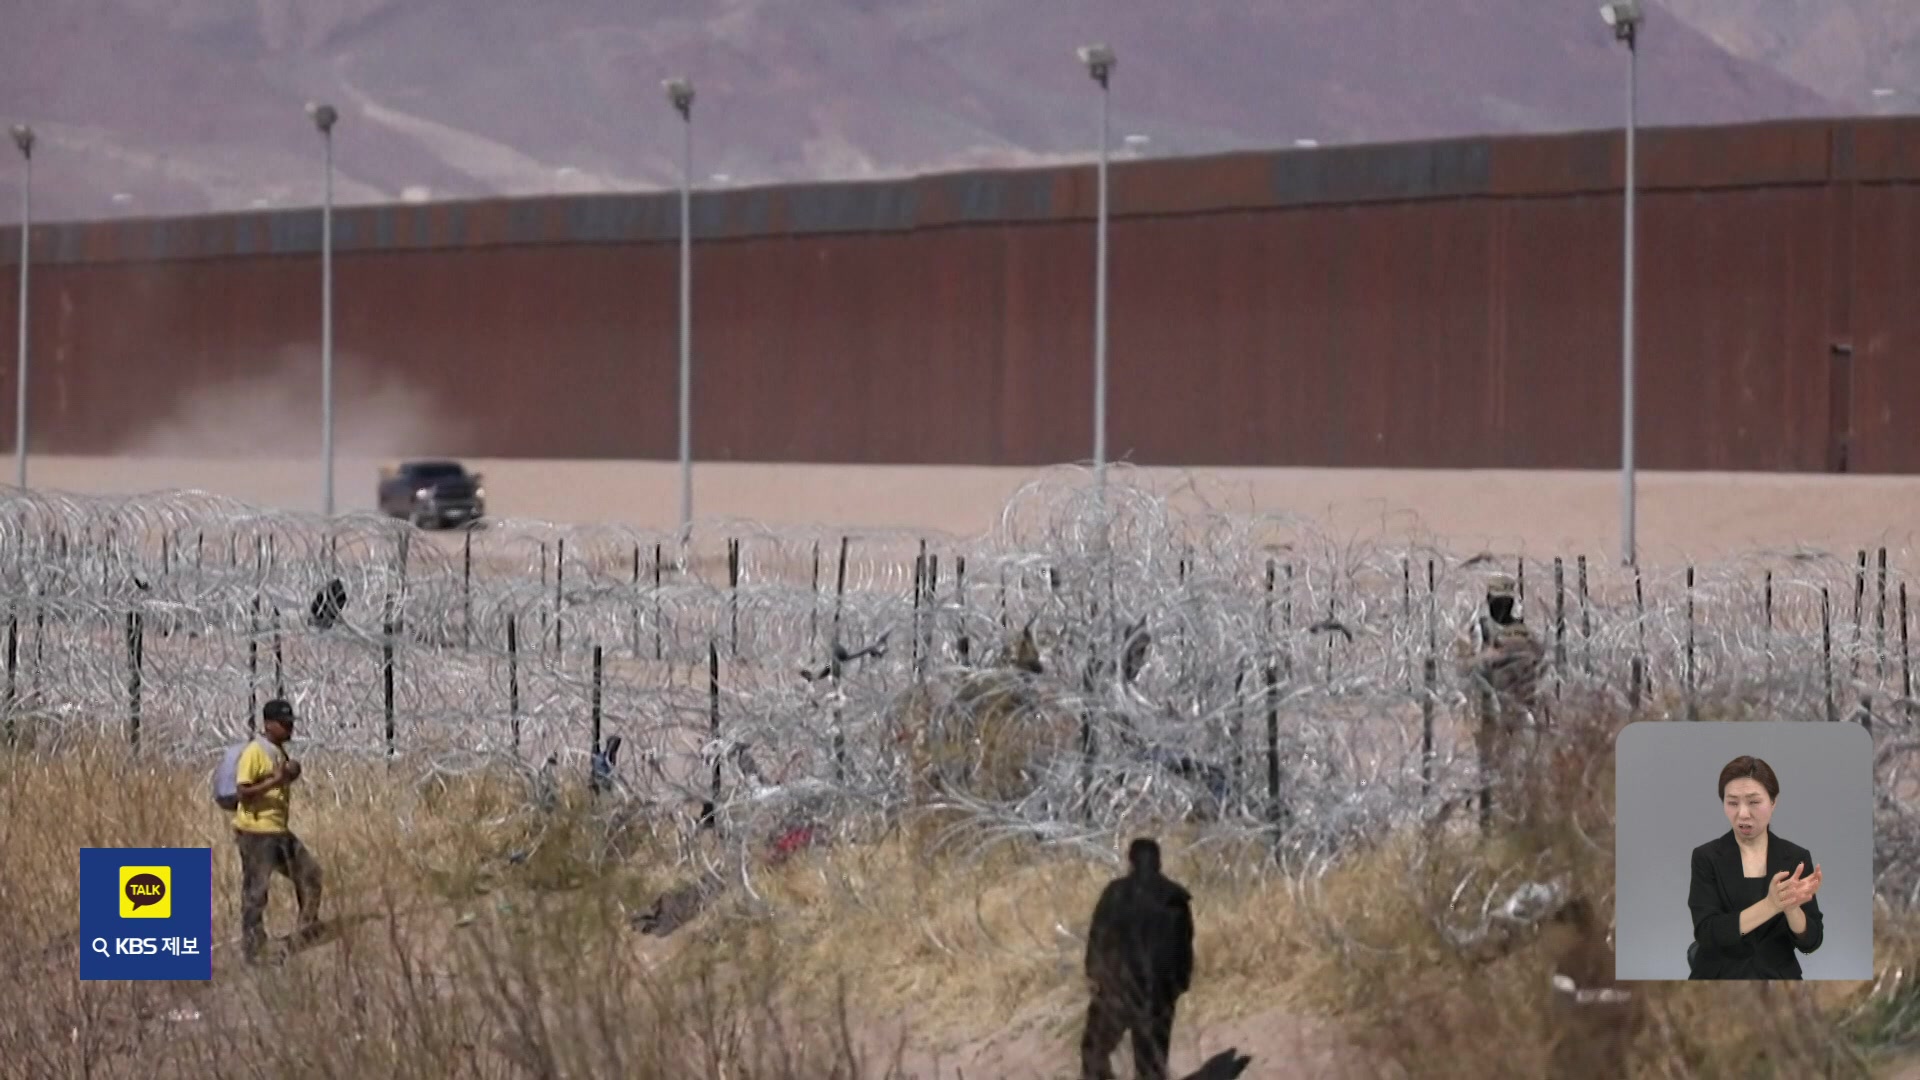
[146, 913]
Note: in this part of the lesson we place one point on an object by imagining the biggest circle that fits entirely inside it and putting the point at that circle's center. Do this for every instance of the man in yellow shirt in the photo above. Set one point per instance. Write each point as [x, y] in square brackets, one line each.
[260, 830]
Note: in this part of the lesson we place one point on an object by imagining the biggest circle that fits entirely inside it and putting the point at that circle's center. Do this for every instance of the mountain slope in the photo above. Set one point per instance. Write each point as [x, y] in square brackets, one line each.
[195, 105]
[1845, 50]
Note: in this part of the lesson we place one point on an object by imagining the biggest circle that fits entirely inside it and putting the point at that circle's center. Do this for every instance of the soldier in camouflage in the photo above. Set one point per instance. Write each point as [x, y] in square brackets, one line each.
[1503, 668]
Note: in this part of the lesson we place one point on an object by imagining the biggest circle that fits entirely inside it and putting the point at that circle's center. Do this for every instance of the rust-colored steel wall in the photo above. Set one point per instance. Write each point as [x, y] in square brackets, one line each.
[1452, 304]
[1885, 406]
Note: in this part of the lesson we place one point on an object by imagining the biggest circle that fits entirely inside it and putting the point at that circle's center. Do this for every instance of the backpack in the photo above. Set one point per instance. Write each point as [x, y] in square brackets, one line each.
[226, 775]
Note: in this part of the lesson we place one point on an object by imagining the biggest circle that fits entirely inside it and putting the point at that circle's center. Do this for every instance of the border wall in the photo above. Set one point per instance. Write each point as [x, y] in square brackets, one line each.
[1452, 304]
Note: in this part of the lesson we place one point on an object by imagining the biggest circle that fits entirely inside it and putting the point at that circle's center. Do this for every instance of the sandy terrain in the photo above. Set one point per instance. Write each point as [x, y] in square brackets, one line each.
[1283, 1043]
[1680, 515]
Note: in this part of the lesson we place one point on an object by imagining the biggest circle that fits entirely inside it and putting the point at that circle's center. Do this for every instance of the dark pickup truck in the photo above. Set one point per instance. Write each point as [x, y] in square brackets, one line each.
[432, 494]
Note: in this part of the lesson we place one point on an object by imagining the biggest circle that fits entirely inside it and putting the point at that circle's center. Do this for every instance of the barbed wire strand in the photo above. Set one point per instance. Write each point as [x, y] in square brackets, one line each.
[1281, 700]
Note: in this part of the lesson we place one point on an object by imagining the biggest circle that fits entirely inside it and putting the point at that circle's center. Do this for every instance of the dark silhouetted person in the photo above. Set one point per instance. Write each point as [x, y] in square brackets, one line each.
[1139, 962]
[325, 610]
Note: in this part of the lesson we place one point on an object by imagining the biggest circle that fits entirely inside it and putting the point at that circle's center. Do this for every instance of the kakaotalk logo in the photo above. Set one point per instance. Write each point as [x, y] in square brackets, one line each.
[146, 892]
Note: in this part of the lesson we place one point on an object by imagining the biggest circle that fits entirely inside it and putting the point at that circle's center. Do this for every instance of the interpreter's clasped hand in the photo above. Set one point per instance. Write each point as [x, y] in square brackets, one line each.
[1807, 887]
[1789, 891]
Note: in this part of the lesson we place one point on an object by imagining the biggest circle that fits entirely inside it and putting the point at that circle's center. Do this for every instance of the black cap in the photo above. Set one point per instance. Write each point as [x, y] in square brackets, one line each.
[277, 709]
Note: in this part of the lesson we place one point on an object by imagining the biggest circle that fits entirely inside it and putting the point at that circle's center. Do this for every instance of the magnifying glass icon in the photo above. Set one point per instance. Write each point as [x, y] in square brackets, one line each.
[100, 946]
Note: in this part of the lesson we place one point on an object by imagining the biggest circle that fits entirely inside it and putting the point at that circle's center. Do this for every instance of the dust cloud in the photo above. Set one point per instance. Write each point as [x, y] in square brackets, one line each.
[276, 413]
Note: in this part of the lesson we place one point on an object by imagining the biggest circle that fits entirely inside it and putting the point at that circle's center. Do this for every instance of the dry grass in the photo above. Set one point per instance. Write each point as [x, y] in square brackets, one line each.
[452, 959]
[449, 960]
[1418, 1001]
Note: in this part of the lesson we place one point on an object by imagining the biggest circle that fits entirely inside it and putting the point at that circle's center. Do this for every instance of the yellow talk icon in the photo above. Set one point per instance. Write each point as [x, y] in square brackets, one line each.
[146, 892]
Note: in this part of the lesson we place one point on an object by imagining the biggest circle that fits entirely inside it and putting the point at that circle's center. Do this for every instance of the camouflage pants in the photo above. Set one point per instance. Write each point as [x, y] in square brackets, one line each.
[1508, 740]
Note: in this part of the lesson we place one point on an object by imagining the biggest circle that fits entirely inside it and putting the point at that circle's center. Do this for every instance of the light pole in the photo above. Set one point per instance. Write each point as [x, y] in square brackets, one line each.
[323, 117]
[23, 138]
[1100, 63]
[680, 95]
[1625, 17]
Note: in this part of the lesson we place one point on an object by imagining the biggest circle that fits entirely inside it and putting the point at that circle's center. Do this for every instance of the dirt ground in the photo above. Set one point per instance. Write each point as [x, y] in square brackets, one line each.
[1679, 516]
[1282, 1042]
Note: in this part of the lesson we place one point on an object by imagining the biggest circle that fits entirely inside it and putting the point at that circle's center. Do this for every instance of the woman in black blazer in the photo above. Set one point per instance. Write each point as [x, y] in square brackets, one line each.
[1752, 896]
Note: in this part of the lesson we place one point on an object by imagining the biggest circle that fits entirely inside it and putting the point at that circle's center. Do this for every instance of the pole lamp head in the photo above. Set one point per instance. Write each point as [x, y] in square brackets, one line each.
[1100, 62]
[23, 138]
[1624, 16]
[680, 96]
[322, 116]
